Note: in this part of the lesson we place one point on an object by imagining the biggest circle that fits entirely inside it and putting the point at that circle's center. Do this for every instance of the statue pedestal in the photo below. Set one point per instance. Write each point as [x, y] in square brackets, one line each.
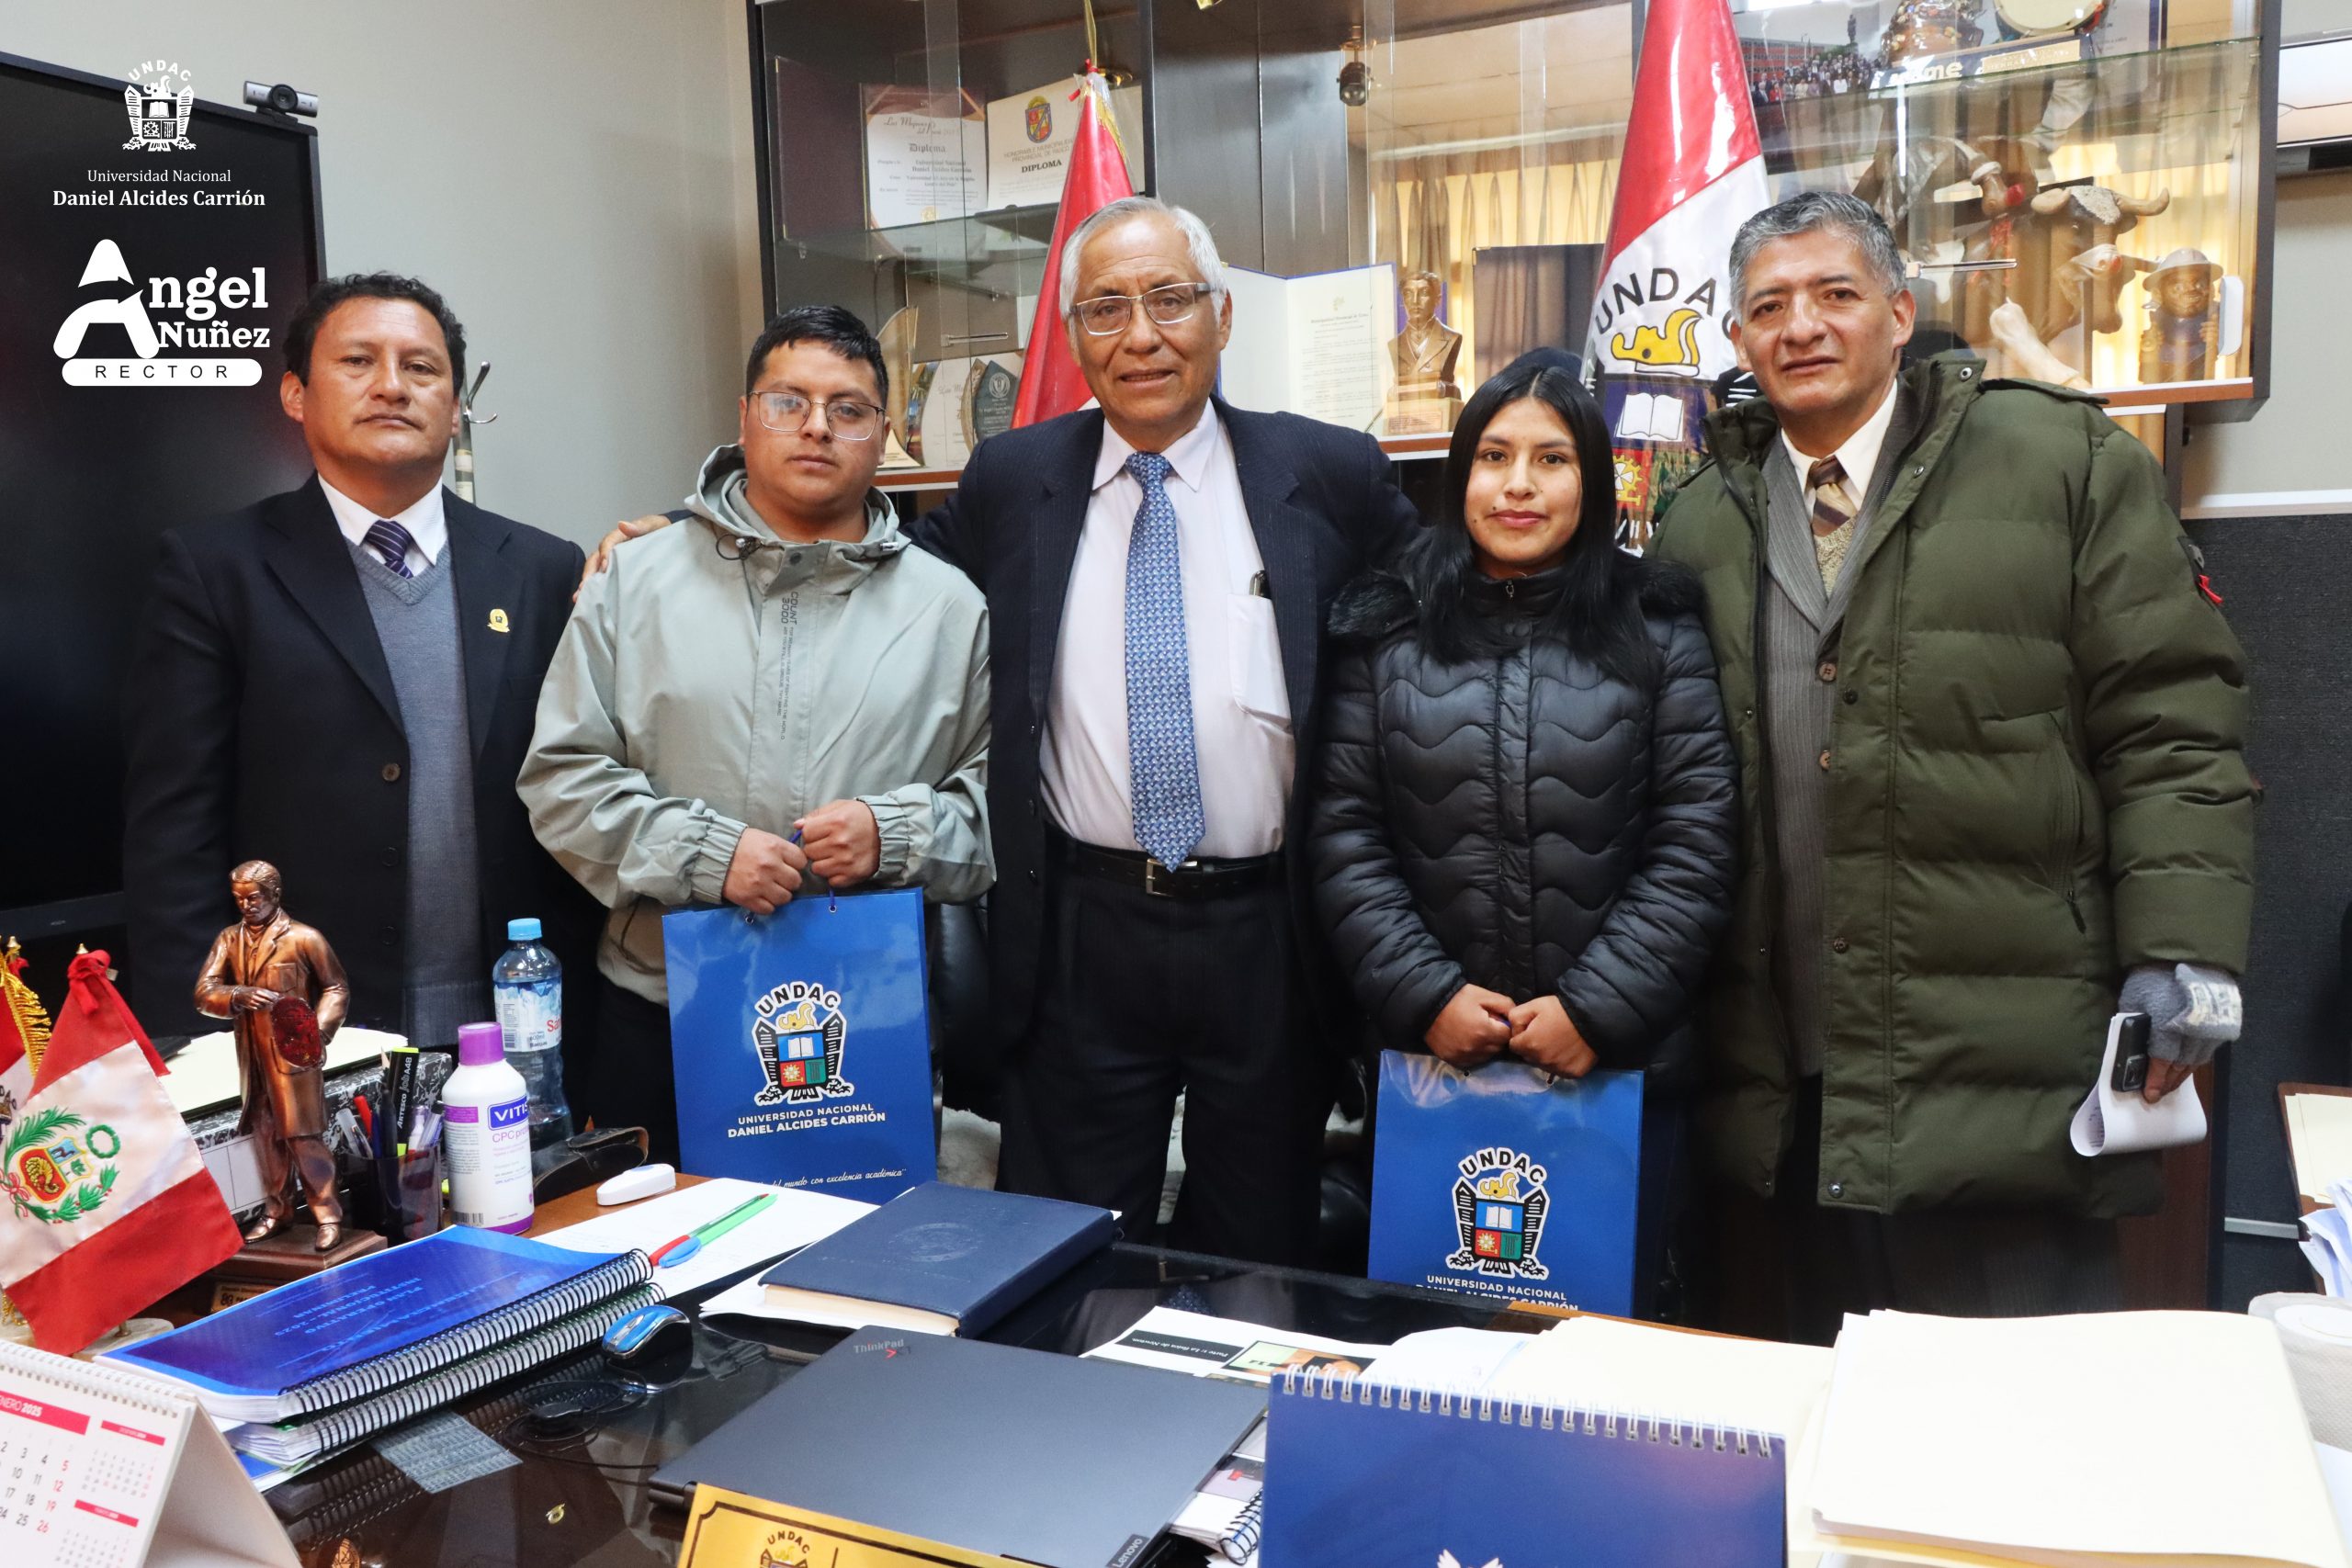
[290, 1254]
[1412, 412]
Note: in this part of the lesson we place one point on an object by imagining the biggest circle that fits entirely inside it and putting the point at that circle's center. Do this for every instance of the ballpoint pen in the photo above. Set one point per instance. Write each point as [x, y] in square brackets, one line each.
[687, 1246]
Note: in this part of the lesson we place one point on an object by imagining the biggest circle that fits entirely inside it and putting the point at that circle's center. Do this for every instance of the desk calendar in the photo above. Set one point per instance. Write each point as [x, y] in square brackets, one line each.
[103, 1469]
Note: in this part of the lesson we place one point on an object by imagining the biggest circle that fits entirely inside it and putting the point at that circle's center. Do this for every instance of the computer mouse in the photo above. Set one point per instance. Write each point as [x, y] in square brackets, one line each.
[654, 1341]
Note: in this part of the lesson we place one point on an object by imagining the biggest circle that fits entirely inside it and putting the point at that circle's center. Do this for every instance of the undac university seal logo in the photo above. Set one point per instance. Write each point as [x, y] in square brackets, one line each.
[800, 1031]
[787, 1549]
[1498, 1207]
[159, 99]
[1037, 121]
[54, 1167]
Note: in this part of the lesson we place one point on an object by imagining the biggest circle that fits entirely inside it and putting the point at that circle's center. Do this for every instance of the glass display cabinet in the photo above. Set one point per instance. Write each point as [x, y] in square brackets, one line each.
[1412, 192]
[911, 152]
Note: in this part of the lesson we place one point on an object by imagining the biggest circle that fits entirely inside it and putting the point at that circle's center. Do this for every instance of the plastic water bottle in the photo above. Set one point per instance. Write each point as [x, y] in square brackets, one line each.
[486, 1134]
[527, 981]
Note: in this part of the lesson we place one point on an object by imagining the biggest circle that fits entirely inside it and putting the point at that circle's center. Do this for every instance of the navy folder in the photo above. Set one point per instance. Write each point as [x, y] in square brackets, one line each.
[1050, 1459]
[1362, 1475]
[938, 1259]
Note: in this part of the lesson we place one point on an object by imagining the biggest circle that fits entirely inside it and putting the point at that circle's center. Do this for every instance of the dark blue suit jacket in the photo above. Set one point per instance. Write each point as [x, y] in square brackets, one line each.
[1324, 504]
[260, 723]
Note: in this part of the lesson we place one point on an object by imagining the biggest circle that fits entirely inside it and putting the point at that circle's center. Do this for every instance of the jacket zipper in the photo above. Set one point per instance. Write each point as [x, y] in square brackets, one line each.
[2070, 843]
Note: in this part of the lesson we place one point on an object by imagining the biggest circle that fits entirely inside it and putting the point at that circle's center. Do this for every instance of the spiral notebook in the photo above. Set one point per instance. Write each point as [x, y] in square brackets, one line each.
[1360, 1472]
[298, 1442]
[104, 1469]
[380, 1320]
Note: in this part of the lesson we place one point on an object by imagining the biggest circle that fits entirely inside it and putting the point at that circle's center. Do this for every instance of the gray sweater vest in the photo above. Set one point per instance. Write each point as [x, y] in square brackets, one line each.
[1798, 666]
[416, 622]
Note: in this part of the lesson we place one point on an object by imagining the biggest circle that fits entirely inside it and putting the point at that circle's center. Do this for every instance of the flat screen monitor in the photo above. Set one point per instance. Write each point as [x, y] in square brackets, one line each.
[152, 247]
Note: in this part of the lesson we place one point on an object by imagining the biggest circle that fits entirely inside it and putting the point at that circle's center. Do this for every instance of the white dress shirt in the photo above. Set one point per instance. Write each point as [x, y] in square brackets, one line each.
[428, 529]
[1858, 457]
[1241, 721]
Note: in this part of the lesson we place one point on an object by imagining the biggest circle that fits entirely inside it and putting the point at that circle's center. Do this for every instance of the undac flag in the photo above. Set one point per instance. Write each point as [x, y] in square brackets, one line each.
[1693, 171]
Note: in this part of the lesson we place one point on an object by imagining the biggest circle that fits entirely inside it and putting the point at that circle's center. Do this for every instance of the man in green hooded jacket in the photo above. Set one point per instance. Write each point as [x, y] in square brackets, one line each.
[1990, 723]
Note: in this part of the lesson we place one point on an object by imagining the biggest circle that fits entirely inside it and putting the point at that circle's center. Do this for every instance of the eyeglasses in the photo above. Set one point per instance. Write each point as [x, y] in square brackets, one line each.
[1167, 305]
[845, 417]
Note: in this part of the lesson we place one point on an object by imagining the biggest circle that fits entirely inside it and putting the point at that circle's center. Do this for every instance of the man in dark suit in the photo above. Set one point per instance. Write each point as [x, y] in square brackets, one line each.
[341, 680]
[1158, 572]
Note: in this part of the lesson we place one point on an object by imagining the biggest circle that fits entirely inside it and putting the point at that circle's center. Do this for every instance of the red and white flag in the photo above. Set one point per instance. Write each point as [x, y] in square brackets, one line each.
[1096, 176]
[109, 1206]
[1693, 171]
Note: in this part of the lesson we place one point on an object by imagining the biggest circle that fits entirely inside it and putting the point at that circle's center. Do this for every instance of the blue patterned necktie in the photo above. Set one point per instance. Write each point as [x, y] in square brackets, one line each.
[390, 542]
[1163, 773]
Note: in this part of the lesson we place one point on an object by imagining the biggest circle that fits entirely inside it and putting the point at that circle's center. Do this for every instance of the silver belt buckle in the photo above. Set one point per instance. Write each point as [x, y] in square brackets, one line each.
[1153, 872]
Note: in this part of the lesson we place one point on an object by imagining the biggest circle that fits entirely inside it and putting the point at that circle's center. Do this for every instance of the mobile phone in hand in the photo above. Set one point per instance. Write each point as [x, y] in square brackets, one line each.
[2131, 1053]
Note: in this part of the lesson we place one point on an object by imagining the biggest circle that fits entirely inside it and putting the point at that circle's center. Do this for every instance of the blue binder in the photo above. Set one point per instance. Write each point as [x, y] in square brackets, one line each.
[802, 1044]
[1501, 1182]
[1364, 1475]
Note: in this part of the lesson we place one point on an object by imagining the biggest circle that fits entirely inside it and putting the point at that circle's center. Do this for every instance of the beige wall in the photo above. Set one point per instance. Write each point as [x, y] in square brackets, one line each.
[575, 176]
[2294, 444]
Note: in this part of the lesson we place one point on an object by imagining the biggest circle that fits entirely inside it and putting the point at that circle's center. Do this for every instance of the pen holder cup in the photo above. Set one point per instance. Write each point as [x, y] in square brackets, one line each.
[411, 1187]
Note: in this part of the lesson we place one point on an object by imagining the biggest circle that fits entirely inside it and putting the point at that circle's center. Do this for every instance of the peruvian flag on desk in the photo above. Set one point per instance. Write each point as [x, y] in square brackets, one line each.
[109, 1207]
[1096, 176]
[1693, 171]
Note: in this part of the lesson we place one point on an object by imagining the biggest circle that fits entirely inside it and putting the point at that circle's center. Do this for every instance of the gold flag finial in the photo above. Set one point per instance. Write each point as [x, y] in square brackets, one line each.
[23, 1008]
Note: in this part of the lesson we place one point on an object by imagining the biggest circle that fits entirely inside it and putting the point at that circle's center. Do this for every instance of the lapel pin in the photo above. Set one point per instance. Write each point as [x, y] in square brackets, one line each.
[498, 622]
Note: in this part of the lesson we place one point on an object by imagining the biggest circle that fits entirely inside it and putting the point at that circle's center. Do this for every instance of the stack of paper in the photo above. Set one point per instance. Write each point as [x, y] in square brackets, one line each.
[1601, 1363]
[2327, 1236]
[2143, 1437]
[2319, 1140]
[796, 1218]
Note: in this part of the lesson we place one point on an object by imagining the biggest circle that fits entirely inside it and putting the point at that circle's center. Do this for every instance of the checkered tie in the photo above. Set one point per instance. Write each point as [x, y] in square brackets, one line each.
[390, 542]
[1832, 517]
[1163, 773]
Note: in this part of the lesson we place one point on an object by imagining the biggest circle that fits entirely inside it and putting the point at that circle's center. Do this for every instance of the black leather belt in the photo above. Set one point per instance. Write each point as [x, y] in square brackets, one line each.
[1203, 877]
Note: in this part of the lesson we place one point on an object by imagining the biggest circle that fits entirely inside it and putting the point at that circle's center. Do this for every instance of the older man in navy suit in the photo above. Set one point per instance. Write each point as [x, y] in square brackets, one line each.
[1158, 571]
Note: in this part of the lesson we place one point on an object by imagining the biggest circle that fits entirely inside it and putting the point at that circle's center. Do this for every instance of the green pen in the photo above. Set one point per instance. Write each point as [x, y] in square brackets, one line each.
[687, 1246]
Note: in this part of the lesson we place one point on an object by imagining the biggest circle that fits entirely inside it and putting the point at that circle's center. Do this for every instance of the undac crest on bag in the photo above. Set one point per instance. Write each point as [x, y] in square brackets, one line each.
[1499, 1201]
[800, 1035]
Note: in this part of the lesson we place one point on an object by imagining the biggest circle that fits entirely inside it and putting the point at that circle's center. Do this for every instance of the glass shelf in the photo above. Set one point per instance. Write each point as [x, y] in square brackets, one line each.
[974, 241]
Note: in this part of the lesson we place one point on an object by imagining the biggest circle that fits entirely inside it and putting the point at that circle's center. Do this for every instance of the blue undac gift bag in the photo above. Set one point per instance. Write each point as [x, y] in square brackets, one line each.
[1506, 1183]
[801, 1042]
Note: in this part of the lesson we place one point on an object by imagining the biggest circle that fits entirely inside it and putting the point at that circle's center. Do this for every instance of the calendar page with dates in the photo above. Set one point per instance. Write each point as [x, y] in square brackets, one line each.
[104, 1469]
[83, 1471]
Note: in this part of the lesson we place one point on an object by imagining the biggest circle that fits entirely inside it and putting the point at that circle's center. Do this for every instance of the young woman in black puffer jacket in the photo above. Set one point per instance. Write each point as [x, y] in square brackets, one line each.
[1524, 828]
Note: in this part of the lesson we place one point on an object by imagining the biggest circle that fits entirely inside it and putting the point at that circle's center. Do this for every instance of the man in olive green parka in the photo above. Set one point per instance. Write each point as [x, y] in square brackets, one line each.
[1990, 723]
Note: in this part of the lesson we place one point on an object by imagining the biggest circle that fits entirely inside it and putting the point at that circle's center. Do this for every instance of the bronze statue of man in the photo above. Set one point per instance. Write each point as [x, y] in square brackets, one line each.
[256, 968]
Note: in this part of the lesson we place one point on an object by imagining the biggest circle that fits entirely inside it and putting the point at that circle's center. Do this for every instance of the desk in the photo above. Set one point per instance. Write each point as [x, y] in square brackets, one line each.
[582, 1500]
